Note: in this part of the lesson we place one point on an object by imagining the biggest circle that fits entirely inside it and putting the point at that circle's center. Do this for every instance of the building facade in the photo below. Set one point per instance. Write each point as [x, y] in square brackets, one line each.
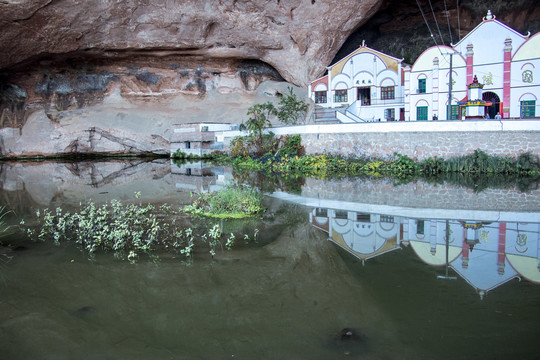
[504, 61]
[366, 85]
[436, 87]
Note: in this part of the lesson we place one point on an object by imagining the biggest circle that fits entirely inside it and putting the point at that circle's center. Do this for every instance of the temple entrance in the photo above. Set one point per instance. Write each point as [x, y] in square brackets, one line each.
[364, 95]
[494, 108]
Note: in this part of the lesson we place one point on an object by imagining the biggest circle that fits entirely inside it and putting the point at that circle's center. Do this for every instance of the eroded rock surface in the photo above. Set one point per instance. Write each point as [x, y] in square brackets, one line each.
[297, 37]
[79, 77]
[125, 106]
[398, 28]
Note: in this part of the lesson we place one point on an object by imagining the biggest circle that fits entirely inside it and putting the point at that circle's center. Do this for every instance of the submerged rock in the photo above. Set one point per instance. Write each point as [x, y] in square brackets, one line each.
[84, 311]
[349, 341]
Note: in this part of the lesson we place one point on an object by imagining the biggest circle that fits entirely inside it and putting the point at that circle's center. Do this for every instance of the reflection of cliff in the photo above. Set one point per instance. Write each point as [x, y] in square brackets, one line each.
[48, 182]
[485, 254]
[30, 185]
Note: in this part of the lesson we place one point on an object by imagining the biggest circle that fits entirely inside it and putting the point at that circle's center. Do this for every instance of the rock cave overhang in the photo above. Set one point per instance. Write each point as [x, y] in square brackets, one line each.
[86, 59]
[84, 73]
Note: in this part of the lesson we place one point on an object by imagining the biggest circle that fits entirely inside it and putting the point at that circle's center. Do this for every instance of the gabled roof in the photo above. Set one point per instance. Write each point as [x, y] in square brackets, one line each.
[485, 21]
[362, 49]
[322, 79]
[390, 61]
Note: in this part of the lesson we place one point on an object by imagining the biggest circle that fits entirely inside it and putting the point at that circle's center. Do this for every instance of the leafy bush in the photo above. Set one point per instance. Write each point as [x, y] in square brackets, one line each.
[179, 154]
[290, 108]
[231, 202]
[292, 146]
[239, 146]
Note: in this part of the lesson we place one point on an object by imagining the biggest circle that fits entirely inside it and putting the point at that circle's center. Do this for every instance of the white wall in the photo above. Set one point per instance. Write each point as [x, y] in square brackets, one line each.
[403, 127]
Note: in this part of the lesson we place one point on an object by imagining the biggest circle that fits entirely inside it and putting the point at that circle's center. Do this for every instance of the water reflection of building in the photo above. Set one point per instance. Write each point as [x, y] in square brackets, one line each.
[197, 176]
[485, 254]
[363, 235]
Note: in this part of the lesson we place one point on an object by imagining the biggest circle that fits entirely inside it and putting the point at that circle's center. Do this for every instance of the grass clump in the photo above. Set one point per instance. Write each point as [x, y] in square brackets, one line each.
[233, 202]
[4, 228]
[480, 162]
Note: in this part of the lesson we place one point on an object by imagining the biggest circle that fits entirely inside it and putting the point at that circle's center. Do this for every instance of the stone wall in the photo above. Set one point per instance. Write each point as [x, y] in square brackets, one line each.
[422, 145]
[417, 139]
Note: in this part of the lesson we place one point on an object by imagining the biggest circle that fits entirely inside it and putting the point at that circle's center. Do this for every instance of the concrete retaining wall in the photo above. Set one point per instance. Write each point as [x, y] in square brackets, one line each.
[418, 140]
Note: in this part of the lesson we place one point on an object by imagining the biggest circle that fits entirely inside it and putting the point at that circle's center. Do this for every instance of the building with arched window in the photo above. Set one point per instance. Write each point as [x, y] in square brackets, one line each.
[504, 61]
[368, 85]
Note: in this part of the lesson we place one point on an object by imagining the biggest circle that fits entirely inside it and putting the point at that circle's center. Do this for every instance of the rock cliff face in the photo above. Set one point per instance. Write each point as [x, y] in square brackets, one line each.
[91, 76]
[125, 106]
[297, 37]
[84, 76]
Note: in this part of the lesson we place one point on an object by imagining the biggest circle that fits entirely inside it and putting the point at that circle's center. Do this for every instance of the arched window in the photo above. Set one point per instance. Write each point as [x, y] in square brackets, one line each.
[422, 84]
[527, 104]
[422, 110]
[340, 93]
[321, 93]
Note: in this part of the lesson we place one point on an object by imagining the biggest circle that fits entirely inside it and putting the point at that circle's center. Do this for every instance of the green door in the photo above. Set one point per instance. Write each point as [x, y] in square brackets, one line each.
[421, 112]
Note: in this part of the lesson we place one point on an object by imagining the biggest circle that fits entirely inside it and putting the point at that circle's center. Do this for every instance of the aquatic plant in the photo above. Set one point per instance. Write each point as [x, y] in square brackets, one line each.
[4, 228]
[231, 202]
[126, 229]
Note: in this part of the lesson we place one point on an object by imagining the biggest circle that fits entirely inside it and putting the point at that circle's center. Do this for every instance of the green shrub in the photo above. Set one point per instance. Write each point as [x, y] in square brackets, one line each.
[290, 108]
[292, 146]
[231, 202]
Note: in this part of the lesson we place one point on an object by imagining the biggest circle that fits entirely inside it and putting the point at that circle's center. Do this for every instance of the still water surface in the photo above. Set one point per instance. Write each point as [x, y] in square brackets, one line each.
[358, 254]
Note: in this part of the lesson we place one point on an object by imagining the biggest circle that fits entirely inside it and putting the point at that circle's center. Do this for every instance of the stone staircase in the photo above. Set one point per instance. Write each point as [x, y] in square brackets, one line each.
[334, 115]
[325, 115]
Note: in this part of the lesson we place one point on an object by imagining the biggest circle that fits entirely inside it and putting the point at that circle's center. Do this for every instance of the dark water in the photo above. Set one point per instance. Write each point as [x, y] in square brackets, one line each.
[354, 268]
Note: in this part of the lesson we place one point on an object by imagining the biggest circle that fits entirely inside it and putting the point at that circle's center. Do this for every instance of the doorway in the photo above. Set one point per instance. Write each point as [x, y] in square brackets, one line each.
[364, 95]
[494, 108]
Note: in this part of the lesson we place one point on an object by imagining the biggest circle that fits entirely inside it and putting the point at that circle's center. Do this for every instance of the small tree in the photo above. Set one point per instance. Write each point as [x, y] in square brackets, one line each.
[258, 121]
[290, 108]
[259, 118]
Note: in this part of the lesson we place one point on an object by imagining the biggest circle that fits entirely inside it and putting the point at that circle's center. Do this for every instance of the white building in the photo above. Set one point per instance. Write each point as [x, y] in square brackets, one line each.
[366, 85]
[506, 62]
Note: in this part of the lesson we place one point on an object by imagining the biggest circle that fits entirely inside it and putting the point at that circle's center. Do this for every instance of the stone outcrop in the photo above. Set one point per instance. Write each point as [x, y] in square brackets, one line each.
[112, 77]
[125, 107]
[297, 37]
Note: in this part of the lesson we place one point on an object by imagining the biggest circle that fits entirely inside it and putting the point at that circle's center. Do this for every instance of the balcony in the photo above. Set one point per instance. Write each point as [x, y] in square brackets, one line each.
[395, 101]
